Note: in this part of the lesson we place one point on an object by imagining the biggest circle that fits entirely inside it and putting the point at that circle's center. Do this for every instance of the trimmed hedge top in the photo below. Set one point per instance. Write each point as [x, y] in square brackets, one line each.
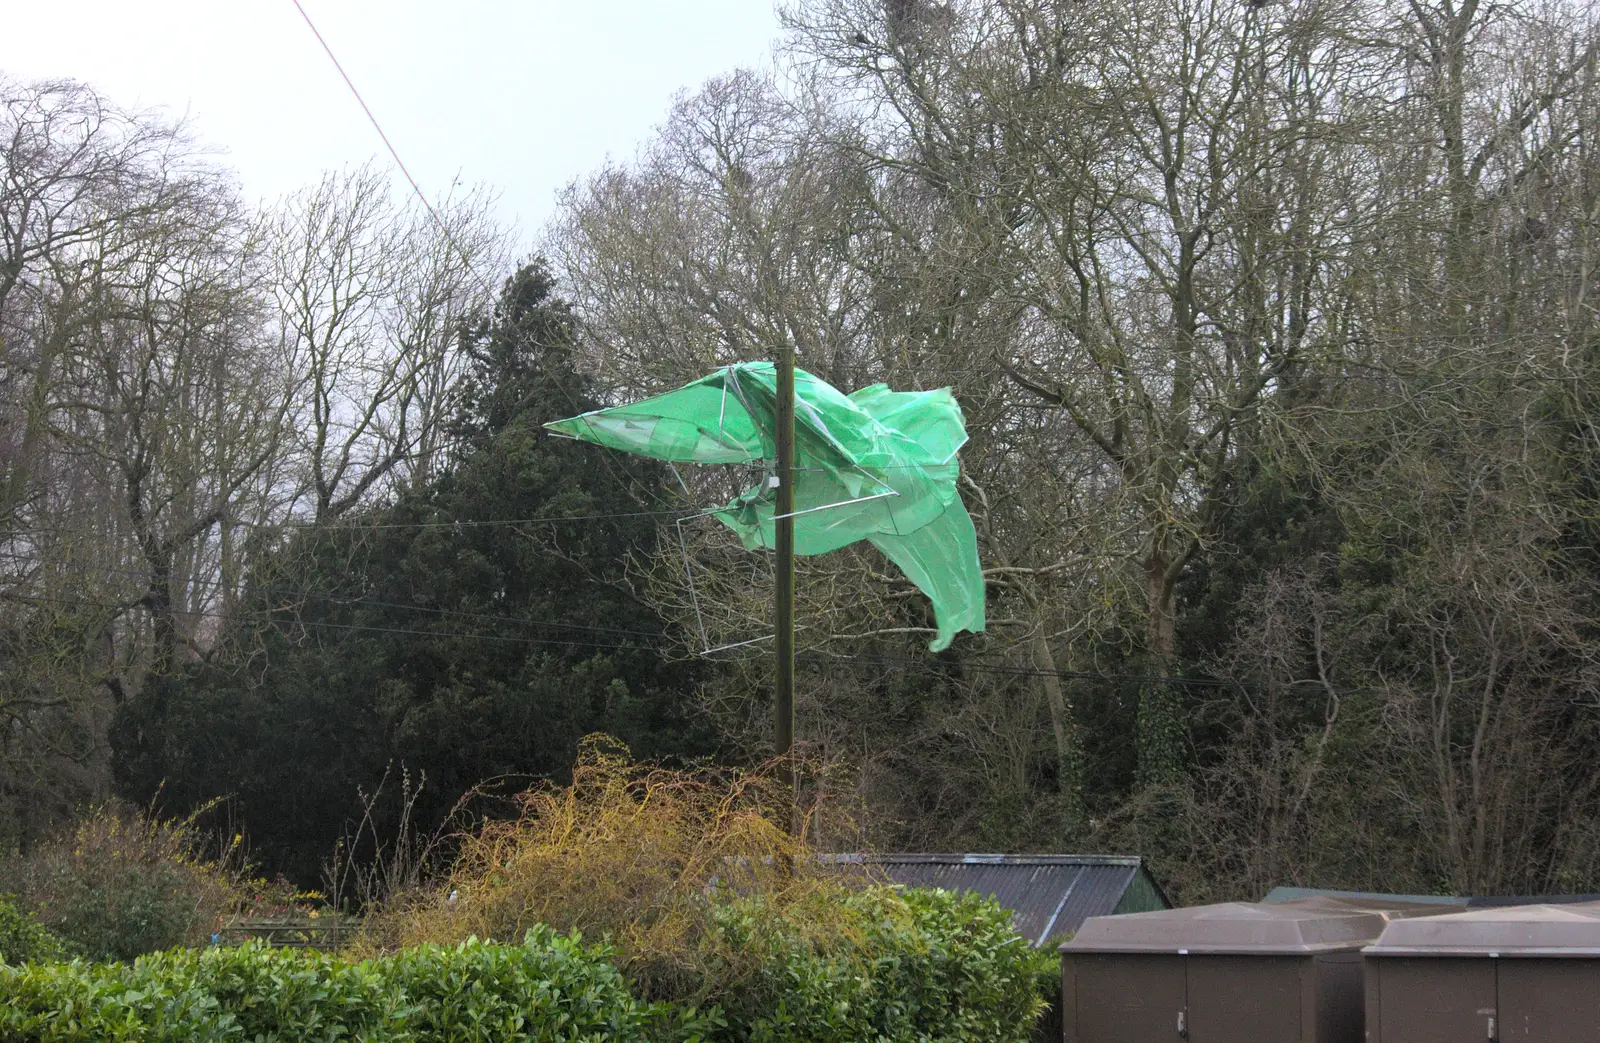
[890, 967]
[891, 964]
[550, 989]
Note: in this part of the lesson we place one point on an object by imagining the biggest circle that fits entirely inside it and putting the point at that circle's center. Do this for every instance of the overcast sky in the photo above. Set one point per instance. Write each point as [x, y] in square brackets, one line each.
[522, 94]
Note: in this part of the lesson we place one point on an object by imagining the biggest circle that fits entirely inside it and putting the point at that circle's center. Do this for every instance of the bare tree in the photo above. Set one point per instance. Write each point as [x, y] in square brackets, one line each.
[1142, 217]
[755, 219]
[71, 165]
[373, 298]
[179, 398]
[139, 401]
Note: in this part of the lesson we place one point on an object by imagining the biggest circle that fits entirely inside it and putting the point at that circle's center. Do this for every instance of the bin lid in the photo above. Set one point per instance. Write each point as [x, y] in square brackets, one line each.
[1520, 930]
[1245, 928]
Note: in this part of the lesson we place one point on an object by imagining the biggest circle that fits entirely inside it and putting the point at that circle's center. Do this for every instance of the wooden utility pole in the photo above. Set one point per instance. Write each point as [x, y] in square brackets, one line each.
[783, 727]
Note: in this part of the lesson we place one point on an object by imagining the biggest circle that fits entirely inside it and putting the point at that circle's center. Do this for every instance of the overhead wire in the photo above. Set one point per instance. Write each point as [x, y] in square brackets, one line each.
[549, 519]
[358, 601]
[349, 524]
[979, 665]
[466, 259]
[393, 152]
[266, 616]
[966, 664]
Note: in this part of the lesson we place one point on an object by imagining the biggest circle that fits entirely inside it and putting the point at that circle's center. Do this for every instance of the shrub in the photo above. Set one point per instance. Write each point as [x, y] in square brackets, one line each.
[78, 1002]
[122, 884]
[1047, 980]
[910, 967]
[714, 908]
[22, 938]
[550, 988]
[280, 993]
[638, 854]
[888, 964]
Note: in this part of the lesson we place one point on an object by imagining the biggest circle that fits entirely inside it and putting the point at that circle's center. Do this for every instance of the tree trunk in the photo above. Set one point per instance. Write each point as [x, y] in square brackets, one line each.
[158, 599]
[1069, 756]
[1160, 726]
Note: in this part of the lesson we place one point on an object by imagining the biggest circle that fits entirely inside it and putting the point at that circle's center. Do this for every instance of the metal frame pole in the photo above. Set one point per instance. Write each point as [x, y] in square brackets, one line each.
[783, 726]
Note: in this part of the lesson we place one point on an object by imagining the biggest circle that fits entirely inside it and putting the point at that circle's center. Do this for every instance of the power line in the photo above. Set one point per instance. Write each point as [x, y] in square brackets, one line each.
[378, 127]
[977, 665]
[268, 617]
[466, 259]
[971, 664]
[355, 601]
[348, 524]
[552, 519]
[562, 642]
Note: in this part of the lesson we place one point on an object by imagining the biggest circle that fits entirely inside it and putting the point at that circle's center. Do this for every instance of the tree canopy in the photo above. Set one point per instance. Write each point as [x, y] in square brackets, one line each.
[1274, 331]
[478, 626]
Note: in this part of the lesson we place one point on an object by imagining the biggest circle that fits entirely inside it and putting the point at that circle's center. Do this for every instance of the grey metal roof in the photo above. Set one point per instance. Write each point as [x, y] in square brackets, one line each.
[1048, 895]
[1503, 901]
[1294, 894]
[1291, 894]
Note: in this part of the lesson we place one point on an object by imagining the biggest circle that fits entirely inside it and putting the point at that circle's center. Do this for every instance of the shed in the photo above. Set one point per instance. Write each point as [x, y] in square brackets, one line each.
[1236, 972]
[1513, 974]
[1501, 901]
[1295, 894]
[1049, 895]
[1291, 894]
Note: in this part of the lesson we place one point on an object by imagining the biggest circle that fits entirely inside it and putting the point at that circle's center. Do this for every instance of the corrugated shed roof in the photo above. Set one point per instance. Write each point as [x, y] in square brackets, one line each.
[1501, 901]
[1292, 894]
[1288, 894]
[1048, 895]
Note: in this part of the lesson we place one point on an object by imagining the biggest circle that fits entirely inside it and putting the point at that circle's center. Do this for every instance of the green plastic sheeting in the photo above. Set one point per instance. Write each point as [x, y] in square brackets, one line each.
[878, 465]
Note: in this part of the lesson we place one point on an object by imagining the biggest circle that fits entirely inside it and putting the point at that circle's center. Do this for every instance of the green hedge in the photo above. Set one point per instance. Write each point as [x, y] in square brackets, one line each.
[890, 967]
[549, 989]
[896, 966]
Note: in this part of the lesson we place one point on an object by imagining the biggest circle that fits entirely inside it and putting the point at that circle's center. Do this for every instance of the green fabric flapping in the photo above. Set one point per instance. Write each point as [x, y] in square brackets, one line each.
[877, 465]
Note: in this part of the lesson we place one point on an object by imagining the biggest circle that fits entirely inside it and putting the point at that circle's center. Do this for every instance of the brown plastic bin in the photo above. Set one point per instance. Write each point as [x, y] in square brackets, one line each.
[1515, 974]
[1239, 972]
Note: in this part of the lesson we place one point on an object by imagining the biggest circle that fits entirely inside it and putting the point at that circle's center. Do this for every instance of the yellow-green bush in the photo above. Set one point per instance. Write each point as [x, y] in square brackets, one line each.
[714, 908]
[638, 854]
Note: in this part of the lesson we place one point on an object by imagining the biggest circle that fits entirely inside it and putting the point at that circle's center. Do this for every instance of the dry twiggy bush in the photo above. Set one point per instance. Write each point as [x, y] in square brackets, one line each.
[644, 856]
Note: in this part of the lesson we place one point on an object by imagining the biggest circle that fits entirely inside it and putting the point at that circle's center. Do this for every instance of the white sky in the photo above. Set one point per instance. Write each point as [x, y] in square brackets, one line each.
[524, 95]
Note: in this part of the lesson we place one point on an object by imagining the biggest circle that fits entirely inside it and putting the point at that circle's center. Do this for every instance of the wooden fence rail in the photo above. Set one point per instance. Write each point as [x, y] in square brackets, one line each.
[329, 932]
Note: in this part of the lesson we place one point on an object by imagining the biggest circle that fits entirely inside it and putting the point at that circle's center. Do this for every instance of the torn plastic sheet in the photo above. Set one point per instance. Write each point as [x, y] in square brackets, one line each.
[876, 465]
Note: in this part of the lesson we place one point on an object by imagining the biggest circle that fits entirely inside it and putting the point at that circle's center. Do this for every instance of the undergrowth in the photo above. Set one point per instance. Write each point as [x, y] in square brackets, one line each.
[713, 921]
[120, 883]
[23, 938]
